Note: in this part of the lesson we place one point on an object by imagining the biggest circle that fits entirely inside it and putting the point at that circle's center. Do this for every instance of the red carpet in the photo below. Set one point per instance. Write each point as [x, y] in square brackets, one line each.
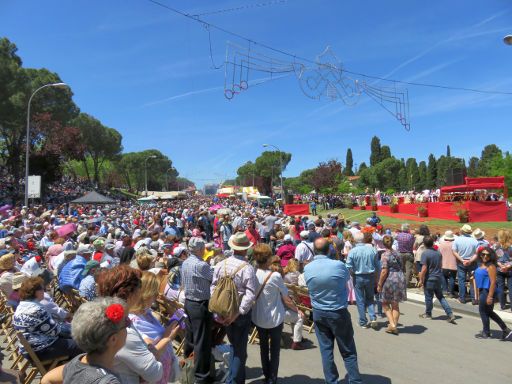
[402, 216]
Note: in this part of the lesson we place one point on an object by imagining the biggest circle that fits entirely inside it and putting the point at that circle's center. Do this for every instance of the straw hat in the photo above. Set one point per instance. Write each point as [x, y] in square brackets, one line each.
[466, 228]
[449, 236]
[7, 261]
[478, 234]
[17, 279]
[239, 242]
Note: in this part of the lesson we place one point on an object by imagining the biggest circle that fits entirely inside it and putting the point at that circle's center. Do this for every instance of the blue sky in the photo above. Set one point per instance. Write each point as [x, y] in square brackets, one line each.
[147, 72]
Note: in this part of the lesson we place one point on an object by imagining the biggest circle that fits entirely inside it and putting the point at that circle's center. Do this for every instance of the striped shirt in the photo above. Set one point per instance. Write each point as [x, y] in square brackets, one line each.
[196, 278]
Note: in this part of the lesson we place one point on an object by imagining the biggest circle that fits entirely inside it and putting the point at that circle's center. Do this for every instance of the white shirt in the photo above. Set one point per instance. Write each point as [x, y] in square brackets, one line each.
[304, 252]
[268, 311]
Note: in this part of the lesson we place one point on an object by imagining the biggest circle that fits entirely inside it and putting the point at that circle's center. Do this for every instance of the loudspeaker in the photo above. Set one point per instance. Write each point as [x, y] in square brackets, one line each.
[455, 176]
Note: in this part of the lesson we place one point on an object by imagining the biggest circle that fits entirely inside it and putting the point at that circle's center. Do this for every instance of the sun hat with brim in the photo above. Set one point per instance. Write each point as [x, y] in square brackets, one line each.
[17, 279]
[239, 242]
[449, 236]
[478, 234]
[91, 264]
[7, 261]
[466, 228]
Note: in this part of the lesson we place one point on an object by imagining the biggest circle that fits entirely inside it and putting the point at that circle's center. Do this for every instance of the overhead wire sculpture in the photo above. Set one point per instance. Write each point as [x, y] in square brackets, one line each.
[326, 78]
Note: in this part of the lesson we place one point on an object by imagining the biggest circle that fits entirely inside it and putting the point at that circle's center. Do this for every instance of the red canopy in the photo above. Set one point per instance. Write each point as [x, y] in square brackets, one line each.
[474, 183]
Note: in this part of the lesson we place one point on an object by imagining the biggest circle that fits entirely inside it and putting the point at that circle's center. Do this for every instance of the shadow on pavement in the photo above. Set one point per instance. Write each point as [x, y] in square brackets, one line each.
[413, 329]
[373, 379]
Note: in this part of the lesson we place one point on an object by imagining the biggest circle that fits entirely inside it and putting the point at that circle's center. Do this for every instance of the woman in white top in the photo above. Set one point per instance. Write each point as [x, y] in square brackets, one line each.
[269, 311]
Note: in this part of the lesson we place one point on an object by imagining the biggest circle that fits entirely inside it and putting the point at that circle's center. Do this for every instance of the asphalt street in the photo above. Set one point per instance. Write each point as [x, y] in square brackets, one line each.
[431, 351]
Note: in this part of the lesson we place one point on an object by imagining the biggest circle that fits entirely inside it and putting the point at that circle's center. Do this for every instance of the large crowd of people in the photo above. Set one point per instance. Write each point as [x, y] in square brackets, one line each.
[227, 272]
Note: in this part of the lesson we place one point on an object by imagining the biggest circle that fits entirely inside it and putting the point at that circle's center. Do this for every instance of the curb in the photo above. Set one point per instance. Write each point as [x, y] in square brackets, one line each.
[458, 309]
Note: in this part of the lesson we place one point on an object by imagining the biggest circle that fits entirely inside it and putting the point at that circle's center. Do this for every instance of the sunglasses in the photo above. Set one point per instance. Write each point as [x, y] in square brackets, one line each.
[485, 254]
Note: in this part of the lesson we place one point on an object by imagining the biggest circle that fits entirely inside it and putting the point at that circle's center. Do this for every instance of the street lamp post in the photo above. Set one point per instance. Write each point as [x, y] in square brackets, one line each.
[146, 172]
[280, 167]
[27, 150]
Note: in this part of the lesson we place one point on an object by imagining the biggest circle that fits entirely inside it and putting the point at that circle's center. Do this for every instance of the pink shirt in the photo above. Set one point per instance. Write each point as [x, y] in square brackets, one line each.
[449, 260]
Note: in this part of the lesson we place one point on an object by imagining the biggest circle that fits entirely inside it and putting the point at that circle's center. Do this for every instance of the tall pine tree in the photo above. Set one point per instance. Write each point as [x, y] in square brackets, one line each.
[349, 163]
[385, 152]
[431, 181]
[448, 151]
[473, 166]
[375, 154]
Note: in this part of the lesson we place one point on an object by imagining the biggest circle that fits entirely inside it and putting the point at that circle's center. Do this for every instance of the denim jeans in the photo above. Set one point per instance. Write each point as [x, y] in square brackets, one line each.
[487, 313]
[462, 274]
[449, 280]
[364, 285]
[434, 287]
[270, 355]
[504, 280]
[238, 336]
[336, 326]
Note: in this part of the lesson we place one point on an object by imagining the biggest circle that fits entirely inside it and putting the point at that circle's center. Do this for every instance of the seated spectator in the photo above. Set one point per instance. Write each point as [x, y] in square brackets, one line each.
[87, 287]
[135, 362]
[17, 280]
[71, 274]
[100, 330]
[7, 271]
[291, 272]
[286, 251]
[42, 332]
[152, 331]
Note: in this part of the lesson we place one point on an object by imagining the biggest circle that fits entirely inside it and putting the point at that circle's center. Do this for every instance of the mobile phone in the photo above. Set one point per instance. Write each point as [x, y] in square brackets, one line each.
[180, 319]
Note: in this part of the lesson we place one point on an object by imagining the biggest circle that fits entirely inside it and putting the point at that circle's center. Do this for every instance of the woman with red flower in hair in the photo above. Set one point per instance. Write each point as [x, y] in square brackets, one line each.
[99, 329]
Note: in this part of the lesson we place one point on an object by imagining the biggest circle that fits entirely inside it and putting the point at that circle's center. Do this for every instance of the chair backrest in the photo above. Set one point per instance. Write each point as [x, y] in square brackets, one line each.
[33, 357]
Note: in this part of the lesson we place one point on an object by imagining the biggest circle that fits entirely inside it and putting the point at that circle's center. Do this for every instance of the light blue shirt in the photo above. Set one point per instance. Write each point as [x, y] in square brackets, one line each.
[465, 246]
[362, 259]
[327, 283]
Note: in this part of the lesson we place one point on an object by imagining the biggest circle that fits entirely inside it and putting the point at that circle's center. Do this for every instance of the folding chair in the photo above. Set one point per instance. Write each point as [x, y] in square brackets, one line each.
[32, 367]
[300, 296]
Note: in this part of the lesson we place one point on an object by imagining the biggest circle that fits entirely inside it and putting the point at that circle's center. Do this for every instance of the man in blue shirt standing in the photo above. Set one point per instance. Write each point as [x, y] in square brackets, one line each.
[362, 262]
[327, 283]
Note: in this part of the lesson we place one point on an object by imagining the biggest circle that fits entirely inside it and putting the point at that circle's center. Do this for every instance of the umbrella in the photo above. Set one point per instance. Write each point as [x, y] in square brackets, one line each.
[5, 208]
[66, 229]
[216, 207]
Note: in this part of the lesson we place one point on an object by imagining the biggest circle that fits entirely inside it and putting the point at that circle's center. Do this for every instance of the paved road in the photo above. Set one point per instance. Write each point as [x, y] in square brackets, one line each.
[425, 351]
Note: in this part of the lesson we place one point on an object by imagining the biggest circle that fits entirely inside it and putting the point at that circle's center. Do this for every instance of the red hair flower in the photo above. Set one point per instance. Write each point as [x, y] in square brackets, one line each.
[115, 313]
[38, 258]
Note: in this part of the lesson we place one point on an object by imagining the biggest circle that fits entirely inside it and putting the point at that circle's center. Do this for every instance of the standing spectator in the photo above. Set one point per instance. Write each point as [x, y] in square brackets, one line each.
[237, 327]
[419, 247]
[226, 230]
[405, 241]
[504, 276]
[485, 278]
[196, 277]
[464, 248]
[327, 280]
[430, 277]
[391, 286]
[304, 251]
[449, 263]
[269, 311]
[313, 208]
[252, 233]
[362, 262]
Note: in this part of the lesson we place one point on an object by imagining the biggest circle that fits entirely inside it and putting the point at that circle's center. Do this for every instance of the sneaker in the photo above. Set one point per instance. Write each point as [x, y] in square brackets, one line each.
[451, 319]
[365, 326]
[425, 316]
[462, 301]
[374, 324]
[482, 335]
[506, 334]
[474, 302]
[298, 346]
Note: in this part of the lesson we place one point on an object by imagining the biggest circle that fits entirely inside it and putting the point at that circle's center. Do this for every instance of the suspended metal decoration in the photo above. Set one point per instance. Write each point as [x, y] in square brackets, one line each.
[324, 78]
